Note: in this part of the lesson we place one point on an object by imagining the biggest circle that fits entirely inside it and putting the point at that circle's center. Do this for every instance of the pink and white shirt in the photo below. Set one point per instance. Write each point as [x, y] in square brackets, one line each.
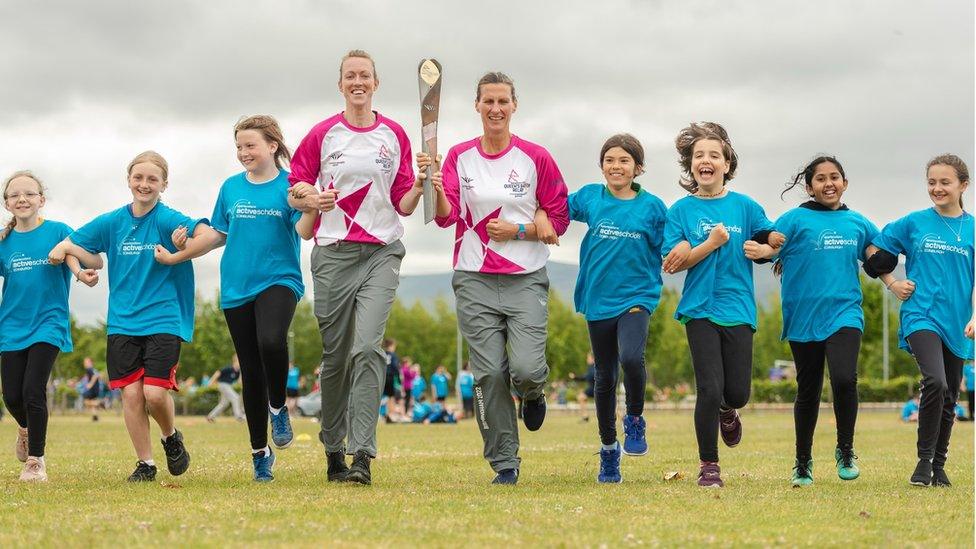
[511, 186]
[371, 169]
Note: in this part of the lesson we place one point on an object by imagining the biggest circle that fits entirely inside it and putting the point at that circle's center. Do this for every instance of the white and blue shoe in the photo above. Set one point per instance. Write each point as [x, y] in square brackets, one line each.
[610, 466]
[263, 463]
[281, 433]
[635, 441]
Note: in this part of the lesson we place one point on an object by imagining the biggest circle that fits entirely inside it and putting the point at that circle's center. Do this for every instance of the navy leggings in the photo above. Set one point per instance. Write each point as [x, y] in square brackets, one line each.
[619, 342]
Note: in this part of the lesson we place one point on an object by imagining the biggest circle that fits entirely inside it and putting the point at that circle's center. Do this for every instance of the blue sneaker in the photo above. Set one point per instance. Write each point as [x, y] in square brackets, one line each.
[281, 433]
[507, 476]
[262, 466]
[610, 466]
[635, 443]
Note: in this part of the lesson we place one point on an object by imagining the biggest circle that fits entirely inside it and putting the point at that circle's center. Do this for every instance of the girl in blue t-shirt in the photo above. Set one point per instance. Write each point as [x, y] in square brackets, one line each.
[33, 313]
[705, 234]
[618, 288]
[822, 236]
[937, 313]
[150, 308]
[253, 218]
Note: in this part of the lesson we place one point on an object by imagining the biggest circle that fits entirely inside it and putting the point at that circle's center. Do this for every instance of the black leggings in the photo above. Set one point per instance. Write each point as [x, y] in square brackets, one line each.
[722, 358]
[840, 351]
[24, 375]
[619, 342]
[941, 373]
[260, 333]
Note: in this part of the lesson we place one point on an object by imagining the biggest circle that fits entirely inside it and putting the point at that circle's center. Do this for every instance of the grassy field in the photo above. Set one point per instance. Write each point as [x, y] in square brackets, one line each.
[431, 487]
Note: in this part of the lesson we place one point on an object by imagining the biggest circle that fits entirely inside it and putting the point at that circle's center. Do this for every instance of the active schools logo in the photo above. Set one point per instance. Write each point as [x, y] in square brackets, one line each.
[830, 239]
[608, 230]
[934, 244]
[516, 186]
[131, 246]
[384, 159]
[705, 226]
[20, 262]
[244, 209]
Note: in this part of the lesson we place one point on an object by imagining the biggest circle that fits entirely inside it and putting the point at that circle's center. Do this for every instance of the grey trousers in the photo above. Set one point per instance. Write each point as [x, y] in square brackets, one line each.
[503, 319]
[228, 396]
[355, 285]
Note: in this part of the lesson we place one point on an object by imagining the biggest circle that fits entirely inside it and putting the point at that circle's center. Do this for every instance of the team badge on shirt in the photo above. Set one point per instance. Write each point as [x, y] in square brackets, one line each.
[516, 185]
[385, 159]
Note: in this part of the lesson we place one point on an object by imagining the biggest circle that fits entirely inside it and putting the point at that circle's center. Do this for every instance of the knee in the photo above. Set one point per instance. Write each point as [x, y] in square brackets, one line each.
[737, 397]
[154, 396]
[632, 362]
[13, 399]
[529, 370]
[272, 342]
[844, 383]
[36, 397]
[935, 384]
[368, 351]
[709, 394]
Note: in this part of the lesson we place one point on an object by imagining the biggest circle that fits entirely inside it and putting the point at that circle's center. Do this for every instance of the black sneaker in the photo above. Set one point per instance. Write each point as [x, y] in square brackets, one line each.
[506, 476]
[143, 473]
[923, 474]
[534, 413]
[359, 472]
[177, 458]
[337, 466]
[939, 477]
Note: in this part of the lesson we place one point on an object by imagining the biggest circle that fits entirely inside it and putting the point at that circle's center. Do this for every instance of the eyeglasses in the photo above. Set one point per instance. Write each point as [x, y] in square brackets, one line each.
[17, 196]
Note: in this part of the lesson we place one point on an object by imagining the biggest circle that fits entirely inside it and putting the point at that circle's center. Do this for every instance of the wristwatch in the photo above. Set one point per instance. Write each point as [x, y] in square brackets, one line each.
[520, 235]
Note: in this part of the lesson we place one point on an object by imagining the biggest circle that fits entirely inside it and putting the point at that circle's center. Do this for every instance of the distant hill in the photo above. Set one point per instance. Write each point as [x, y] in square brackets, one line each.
[562, 279]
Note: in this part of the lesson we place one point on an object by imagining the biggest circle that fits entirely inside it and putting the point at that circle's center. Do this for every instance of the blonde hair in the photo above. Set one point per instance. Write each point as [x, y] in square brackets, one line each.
[268, 127]
[6, 183]
[361, 54]
[152, 157]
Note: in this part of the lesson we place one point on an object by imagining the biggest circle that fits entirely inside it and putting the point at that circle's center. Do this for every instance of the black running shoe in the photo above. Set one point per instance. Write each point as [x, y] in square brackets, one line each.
[923, 474]
[359, 472]
[337, 466]
[177, 458]
[534, 413]
[143, 473]
[939, 477]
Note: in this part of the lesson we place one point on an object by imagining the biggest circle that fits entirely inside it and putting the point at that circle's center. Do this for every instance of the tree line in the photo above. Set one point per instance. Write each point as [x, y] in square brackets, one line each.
[427, 334]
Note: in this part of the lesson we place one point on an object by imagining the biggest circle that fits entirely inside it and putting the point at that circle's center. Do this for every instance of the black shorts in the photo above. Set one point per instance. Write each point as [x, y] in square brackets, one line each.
[441, 399]
[468, 404]
[92, 394]
[152, 358]
[291, 393]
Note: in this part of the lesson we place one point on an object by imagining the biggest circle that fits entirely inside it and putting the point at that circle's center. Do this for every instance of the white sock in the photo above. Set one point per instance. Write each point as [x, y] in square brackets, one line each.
[609, 448]
[149, 462]
[275, 411]
[165, 436]
[266, 450]
[38, 458]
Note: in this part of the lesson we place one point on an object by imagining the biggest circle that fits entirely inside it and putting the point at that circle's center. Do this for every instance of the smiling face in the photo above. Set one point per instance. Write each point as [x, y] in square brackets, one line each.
[146, 183]
[357, 82]
[828, 185]
[945, 188]
[254, 152]
[619, 168]
[496, 107]
[23, 197]
[708, 163]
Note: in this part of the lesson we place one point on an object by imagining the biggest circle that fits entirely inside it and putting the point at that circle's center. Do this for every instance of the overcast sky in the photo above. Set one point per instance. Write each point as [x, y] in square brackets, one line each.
[883, 85]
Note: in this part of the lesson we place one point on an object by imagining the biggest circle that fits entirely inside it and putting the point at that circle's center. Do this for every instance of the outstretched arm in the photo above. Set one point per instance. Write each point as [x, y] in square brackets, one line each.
[204, 239]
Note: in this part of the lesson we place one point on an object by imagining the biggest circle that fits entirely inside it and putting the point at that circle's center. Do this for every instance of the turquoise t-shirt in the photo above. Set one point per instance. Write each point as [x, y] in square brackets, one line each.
[262, 247]
[821, 291]
[939, 259]
[34, 307]
[439, 381]
[720, 287]
[466, 382]
[620, 258]
[419, 387]
[144, 297]
[294, 378]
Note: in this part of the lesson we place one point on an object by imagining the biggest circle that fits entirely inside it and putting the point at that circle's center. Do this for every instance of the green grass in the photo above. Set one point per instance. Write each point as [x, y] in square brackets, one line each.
[431, 487]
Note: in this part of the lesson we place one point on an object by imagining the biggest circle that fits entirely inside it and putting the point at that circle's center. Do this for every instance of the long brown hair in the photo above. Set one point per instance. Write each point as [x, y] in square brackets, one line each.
[954, 162]
[271, 131]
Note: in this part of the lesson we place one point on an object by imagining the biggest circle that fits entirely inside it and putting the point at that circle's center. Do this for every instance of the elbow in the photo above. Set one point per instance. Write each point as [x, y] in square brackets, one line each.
[880, 263]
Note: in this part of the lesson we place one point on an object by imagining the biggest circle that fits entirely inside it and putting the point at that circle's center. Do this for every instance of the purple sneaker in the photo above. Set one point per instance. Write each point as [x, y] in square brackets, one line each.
[730, 426]
[709, 475]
